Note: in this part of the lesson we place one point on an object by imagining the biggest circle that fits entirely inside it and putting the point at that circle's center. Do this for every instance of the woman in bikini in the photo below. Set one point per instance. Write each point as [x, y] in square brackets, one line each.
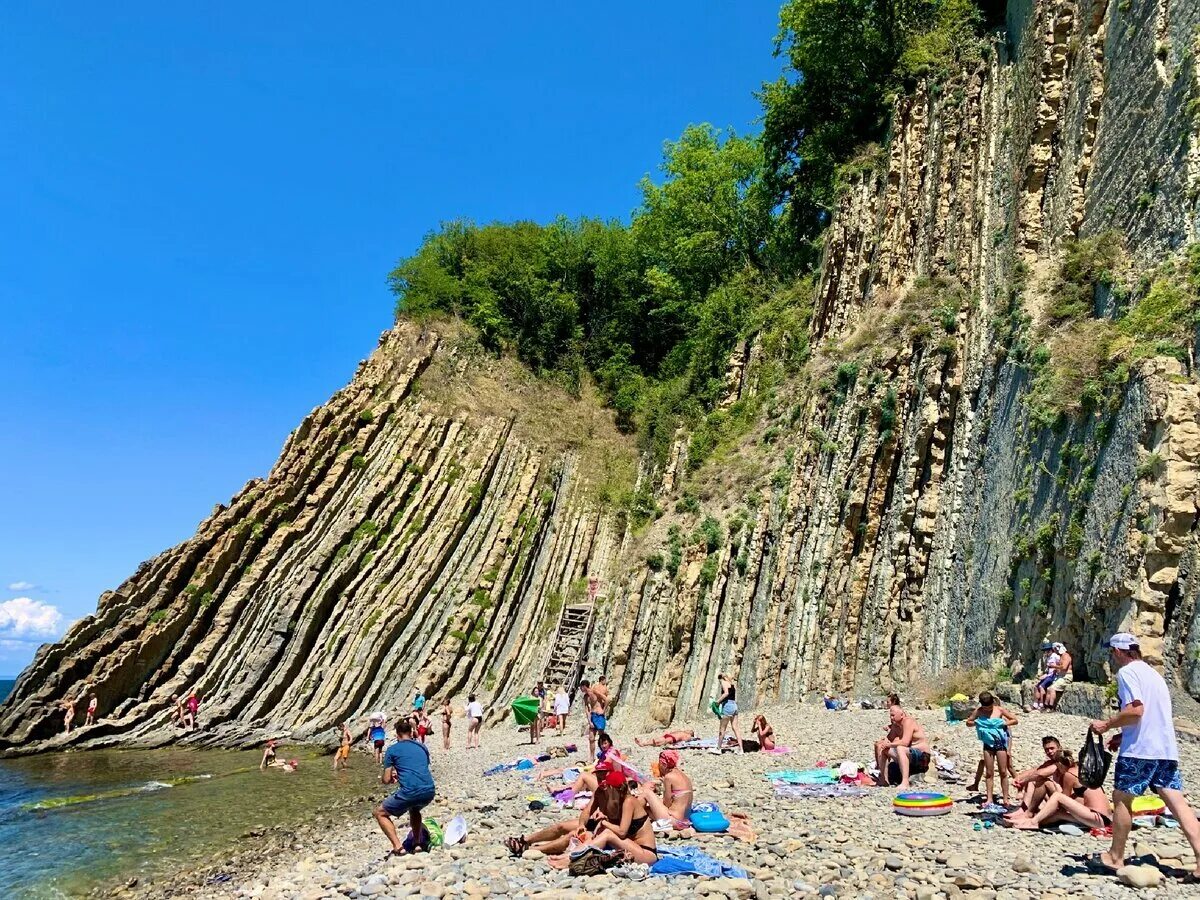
[764, 732]
[1088, 807]
[676, 802]
[667, 739]
[447, 716]
[634, 833]
[605, 805]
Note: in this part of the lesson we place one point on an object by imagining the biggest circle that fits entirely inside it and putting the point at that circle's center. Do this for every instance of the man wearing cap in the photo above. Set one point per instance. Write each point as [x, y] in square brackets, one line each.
[1063, 677]
[1149, 756]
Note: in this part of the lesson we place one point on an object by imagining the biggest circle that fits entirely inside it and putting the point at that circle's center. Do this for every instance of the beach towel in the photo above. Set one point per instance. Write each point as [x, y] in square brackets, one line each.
[807, 776]
[779, 750]
[695, 744]
[691, 860]
[820, 791]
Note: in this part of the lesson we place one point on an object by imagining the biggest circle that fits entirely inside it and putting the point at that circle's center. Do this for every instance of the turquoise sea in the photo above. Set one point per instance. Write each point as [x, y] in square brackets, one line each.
[74, 821]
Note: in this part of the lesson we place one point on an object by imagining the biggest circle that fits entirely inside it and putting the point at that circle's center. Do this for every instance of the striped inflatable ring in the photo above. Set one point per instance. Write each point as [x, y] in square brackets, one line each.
[922, 804]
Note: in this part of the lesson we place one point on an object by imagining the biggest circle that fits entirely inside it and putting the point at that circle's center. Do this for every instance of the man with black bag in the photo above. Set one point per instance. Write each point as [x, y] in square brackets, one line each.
[1148, 758]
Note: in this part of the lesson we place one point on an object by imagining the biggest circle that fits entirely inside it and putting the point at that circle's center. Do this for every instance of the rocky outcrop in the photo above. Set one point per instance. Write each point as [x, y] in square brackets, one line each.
[893, 511]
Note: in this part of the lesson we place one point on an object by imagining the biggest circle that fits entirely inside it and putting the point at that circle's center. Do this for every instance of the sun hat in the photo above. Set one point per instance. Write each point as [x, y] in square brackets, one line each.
[1122, 640]
[456, 830]
[1060, 647]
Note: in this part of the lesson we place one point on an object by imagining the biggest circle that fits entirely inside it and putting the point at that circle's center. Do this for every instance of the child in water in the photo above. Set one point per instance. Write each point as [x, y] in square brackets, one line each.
[991, 722]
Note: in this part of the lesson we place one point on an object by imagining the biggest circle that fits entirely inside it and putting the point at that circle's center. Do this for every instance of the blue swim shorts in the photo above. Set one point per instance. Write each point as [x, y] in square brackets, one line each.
[401, 803]
[599, 722]
[1136, 776]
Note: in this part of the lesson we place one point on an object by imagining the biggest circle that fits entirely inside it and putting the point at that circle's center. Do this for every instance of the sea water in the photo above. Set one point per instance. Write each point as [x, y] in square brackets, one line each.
[76, 820]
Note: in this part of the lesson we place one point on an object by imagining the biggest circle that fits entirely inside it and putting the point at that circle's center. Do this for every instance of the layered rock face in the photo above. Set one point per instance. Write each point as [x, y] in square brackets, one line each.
[428, 524]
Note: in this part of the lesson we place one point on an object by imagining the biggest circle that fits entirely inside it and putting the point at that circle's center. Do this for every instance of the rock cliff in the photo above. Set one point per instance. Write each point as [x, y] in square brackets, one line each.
[897, 507]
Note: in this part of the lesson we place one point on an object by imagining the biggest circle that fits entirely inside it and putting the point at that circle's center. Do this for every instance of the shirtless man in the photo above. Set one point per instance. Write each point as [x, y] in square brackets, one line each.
[595, 696]
[1034, 783]
[1063, 676]
[667, 738]
[905, 743]
[677, 790]
[90, 718]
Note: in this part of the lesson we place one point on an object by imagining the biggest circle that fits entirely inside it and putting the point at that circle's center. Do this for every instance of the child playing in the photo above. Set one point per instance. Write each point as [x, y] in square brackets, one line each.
[992, 722]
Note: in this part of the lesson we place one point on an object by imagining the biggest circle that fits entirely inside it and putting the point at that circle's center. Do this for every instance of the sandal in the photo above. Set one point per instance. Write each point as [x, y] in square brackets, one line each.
[1097, 866]
[516, 845]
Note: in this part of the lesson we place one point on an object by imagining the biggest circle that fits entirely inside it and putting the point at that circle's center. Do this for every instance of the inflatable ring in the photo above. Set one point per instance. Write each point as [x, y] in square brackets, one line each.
[922, 804]
[1148, 805]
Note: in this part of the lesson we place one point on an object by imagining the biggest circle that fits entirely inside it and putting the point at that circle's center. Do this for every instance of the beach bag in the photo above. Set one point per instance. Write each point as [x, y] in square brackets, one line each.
[1094, 761]
[708, 818]
[592, 861]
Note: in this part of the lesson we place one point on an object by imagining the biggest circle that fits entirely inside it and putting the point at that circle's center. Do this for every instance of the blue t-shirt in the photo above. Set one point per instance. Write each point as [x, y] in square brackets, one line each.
[411, 762]
[419, 701]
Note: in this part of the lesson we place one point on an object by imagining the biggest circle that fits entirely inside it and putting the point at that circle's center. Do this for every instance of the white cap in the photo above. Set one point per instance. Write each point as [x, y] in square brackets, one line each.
[1061, 648]
[1122, 640]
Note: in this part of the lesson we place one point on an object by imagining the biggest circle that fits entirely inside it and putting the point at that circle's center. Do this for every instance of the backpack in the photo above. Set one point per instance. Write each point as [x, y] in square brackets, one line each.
[1094, 761]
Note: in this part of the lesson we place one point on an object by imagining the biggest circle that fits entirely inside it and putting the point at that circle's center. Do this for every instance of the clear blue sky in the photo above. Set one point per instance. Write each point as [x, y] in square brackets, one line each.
[201, 203]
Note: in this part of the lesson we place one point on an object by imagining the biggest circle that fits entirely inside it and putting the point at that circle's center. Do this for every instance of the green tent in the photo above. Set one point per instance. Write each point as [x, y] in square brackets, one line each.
[525, 709]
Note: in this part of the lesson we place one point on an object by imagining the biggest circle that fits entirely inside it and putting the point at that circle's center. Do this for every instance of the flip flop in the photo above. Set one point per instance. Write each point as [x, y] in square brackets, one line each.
[516, 846]
[1096, 866]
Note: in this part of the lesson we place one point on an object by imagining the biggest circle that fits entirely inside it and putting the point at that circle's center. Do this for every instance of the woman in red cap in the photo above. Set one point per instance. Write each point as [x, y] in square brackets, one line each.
[633, 833]
[553, 839]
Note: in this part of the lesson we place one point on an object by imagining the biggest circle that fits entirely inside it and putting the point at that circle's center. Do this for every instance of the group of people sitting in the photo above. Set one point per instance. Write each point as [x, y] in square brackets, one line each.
[622, 814]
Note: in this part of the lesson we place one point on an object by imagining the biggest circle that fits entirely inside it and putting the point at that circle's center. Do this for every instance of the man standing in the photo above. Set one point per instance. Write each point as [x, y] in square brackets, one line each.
[905, 743]
[597, 711]
[1149, 756]
[406, 764]
[419, 701]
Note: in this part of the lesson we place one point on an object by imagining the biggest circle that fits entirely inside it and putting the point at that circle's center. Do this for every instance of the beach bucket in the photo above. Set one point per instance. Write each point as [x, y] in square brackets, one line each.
[922, 803]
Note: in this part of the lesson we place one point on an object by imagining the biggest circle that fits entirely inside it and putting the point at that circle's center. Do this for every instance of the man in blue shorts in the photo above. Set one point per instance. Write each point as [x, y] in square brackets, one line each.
[1149, 756]
[406, 764]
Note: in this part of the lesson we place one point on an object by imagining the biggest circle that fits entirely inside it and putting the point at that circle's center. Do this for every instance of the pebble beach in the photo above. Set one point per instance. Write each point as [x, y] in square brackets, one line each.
[844, 847]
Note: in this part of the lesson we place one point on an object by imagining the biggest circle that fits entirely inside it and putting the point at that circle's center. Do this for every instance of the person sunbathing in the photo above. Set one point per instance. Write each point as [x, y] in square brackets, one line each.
[764, 732]
[554, 839]
[675, 805]
[667, 738]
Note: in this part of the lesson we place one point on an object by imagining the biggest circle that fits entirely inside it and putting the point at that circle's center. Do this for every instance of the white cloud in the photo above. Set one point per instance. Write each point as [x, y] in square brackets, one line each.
[22, 586]
[26, 618]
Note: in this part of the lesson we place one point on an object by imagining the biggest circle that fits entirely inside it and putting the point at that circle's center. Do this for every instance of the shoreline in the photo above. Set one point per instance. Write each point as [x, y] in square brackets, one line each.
[802, 848]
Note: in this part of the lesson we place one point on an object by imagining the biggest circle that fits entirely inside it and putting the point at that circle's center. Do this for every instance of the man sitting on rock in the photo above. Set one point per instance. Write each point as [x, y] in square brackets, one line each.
[905, 743]
[406, 764]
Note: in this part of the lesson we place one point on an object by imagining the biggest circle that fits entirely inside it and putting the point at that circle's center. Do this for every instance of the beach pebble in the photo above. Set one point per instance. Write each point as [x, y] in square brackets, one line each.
[1139, 876]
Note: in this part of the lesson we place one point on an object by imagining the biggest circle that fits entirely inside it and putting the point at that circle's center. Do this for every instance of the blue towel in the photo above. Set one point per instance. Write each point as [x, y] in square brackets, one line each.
[808, 776]
[691, 860]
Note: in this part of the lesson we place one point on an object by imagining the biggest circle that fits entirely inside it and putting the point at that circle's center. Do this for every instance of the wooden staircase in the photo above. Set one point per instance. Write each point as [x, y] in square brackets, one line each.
[567, 655]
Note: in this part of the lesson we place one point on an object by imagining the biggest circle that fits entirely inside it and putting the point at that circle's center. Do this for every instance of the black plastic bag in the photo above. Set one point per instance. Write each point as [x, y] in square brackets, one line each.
[1094, 761]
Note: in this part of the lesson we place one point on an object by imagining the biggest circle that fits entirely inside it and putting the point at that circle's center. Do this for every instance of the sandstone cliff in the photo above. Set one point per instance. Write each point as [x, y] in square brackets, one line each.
[895, 509]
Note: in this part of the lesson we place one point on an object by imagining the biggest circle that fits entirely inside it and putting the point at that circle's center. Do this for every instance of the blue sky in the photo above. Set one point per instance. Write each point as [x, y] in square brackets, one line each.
[202, 202]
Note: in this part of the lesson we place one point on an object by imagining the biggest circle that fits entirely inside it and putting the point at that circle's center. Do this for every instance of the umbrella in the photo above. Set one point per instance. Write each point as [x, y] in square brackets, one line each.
[525, 709]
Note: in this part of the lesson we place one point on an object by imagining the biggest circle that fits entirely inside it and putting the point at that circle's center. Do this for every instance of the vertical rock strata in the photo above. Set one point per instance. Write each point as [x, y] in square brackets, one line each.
[909, 518]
